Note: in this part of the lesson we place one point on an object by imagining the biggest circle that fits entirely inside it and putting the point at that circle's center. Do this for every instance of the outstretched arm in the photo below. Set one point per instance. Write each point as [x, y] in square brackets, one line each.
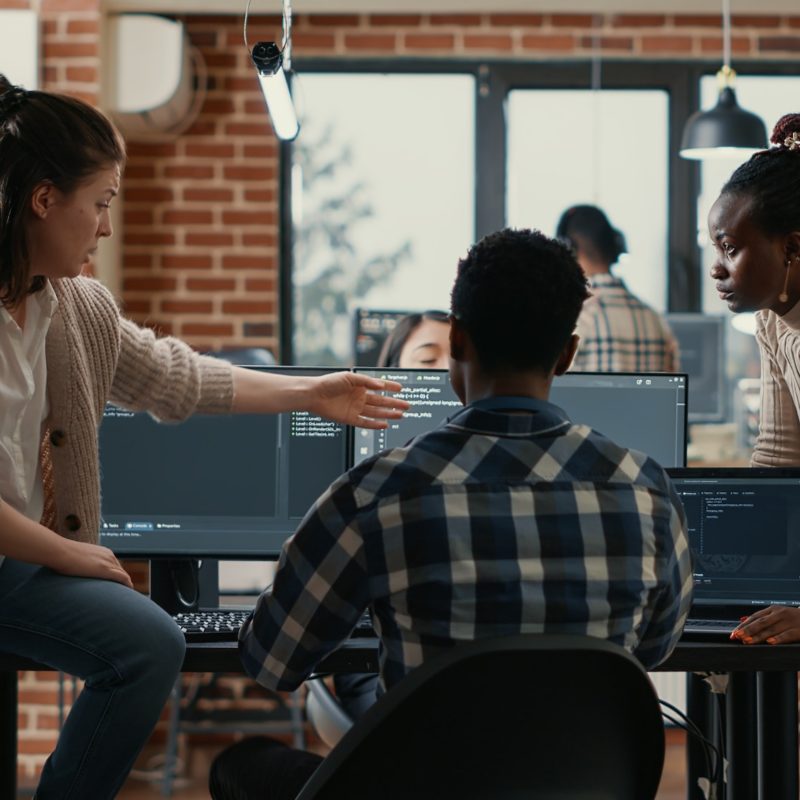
[346, 397]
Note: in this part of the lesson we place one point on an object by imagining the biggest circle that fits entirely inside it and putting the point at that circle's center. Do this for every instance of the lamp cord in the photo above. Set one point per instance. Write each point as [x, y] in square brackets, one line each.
[286, 45]
[244, 31]
[596, 87]
[726, 33]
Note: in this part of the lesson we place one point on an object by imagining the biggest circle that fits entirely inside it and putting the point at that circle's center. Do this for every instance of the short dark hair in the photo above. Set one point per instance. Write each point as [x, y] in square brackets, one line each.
[44, 138]
[770, 178]
[587, 228]
[518, 294]
[395, 341]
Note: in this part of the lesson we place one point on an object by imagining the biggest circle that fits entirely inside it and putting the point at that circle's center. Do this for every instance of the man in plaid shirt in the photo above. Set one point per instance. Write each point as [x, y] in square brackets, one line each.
[618, 332]
[507, 519]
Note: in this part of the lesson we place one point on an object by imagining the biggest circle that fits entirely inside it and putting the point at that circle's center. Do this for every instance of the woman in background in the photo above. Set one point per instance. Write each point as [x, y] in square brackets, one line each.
[64, 351]
[419, 340]
[755, 228]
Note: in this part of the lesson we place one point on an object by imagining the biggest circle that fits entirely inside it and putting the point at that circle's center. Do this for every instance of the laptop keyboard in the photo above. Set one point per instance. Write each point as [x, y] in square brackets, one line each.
[222, 625]
[710, 626]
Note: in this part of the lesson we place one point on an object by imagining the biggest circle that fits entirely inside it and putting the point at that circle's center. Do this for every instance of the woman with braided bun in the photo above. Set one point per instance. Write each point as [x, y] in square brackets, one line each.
[755, 228]
[65, 350]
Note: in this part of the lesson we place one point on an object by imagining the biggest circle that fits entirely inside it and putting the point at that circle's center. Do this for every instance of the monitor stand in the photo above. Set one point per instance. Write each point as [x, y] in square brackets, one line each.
[184, 584]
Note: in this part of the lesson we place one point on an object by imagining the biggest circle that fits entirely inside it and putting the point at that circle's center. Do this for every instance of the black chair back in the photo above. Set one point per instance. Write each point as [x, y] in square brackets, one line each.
[545, 717]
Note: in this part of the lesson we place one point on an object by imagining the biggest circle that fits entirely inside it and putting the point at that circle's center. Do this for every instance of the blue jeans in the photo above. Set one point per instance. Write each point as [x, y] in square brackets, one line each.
[126, 649]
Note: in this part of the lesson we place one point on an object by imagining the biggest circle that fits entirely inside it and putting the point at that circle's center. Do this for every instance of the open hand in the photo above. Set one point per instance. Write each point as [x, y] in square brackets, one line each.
[773, 625]
[351, 398]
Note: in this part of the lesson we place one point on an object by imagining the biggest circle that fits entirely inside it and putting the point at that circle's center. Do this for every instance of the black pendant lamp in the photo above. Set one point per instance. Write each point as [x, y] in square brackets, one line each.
[727, 130]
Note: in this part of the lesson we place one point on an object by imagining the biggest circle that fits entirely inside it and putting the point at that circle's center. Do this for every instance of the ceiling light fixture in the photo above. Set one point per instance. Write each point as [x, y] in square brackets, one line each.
[273, 64]
[727, 130]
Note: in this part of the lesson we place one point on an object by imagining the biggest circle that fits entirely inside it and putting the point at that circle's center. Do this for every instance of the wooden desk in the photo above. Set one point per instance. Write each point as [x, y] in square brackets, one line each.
[763, 690]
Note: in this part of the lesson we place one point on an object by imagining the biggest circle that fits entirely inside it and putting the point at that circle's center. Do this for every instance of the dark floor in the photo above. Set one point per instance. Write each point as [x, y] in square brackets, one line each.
[673, 782]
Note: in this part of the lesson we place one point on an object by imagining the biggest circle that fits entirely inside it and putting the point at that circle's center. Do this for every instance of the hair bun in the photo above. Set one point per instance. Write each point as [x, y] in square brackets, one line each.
[786, 133]
[11, 100]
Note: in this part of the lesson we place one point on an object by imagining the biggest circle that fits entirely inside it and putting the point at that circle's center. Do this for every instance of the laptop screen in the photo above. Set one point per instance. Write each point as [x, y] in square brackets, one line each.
[218, 486]
[742, 526]
[643, 411]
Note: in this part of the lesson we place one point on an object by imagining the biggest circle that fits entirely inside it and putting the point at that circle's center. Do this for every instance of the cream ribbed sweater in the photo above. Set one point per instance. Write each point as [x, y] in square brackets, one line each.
[95, 355]
[778, 443]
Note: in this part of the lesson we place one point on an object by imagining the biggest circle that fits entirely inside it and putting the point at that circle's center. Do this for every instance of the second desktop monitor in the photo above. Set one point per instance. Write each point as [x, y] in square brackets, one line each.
[641, 411]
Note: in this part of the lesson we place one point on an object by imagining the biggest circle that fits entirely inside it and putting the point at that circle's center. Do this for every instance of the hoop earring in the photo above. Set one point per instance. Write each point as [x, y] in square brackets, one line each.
[784, 296]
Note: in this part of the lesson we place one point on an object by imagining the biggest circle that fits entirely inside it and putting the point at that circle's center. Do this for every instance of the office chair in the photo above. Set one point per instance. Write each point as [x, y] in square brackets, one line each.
[327, 716]
[544, 717]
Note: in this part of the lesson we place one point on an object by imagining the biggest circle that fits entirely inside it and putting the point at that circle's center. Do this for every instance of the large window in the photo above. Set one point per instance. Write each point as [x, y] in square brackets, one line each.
[607, 148]
[401, 166]
[383, 189]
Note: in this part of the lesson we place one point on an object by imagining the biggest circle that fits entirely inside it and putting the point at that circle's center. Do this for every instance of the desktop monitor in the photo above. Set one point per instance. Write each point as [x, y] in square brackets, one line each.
[214, 486]
[701, 339]
[642, 411]
[370, 329]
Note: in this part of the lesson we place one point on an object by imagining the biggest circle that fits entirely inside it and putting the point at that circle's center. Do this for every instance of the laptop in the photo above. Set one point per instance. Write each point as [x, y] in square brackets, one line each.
[744, 533]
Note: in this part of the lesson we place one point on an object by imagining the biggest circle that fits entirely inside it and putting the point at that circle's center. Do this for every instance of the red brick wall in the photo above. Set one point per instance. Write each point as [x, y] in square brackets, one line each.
[200, 248]
[201, 213]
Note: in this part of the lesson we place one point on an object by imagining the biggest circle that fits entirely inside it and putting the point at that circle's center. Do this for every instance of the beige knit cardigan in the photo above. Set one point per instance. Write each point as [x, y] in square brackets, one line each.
[95, 355]
[778, 443]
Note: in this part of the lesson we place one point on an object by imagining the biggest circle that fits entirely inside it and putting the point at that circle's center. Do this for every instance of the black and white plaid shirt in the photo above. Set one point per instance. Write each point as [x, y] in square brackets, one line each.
[619, 333]
[495, 523]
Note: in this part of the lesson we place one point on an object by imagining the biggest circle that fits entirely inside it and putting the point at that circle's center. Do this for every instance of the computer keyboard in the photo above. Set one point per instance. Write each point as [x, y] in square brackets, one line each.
[214, 625]
[222, 624]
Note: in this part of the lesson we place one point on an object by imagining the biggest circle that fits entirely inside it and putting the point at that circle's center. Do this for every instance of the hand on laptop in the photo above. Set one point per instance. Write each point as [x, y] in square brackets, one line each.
[773, 625]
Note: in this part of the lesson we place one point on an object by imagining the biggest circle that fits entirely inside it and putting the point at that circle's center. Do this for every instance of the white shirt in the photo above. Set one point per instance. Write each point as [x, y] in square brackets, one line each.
[23, 402]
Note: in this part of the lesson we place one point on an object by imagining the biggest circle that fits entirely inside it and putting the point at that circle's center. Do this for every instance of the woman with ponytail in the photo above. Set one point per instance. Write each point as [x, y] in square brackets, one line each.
[65, 350]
